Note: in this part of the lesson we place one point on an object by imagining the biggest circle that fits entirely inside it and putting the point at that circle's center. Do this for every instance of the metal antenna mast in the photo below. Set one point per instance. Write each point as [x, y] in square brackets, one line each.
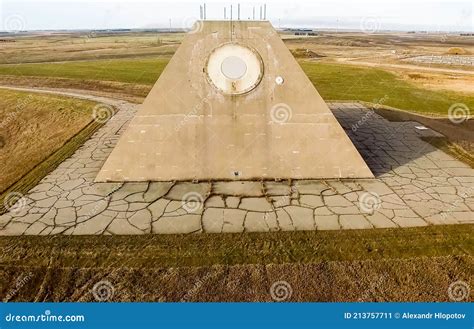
[231, 24]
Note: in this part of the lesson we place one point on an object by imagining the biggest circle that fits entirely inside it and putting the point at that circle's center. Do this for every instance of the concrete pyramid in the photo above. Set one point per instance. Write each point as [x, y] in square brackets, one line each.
[233, 104]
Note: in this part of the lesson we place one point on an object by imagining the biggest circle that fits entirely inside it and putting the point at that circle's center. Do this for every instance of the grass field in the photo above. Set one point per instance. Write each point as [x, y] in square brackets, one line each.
[140, 71]
[344, 82]
[33, 126]
[333, 81]
[414, 264]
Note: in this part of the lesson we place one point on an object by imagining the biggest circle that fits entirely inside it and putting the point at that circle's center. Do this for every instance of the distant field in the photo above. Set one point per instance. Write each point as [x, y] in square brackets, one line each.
[140, 71]
[345, 82]
[42, 48]
[333, 81]
[33, 126]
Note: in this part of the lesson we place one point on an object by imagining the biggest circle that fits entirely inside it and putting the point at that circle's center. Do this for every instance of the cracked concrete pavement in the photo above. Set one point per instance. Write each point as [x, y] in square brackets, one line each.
[416, 185]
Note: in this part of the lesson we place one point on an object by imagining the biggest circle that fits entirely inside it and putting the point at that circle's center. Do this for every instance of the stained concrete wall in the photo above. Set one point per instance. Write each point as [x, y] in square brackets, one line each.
[187, 129]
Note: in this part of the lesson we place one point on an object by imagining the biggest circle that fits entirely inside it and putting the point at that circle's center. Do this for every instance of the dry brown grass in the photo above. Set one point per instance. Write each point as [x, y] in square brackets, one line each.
[131, 92]
[41, 47]
[33, 126]
[398, 280]
[457, 51]
[440, 81]
[304, 53]
[413, 264]
[379, 47]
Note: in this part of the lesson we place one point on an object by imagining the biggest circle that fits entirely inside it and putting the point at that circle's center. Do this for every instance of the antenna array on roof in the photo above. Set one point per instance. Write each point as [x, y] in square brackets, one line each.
[263, 12]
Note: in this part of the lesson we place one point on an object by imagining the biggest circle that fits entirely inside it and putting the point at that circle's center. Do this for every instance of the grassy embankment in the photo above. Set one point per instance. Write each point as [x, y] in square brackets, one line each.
[38, 132]
[413, 264]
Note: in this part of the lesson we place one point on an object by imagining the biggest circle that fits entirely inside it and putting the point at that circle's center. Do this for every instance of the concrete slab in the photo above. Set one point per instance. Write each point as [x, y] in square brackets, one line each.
[392, 199]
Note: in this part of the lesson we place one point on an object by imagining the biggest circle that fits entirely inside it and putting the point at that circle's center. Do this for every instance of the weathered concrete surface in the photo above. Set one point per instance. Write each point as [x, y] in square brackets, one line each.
[416, 185]
[187, 129]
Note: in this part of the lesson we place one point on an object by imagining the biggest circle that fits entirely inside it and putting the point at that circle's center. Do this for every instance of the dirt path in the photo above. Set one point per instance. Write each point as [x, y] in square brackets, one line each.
[76, 93]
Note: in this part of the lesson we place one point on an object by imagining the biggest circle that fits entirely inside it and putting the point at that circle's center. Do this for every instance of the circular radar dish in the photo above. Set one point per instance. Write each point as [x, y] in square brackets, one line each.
[234, 69]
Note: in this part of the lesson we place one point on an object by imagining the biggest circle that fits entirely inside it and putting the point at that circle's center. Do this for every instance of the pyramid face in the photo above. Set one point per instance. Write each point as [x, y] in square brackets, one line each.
[233, 104]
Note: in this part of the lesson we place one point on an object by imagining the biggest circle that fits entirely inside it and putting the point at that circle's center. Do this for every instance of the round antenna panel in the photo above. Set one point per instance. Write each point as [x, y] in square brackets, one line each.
[234, 69]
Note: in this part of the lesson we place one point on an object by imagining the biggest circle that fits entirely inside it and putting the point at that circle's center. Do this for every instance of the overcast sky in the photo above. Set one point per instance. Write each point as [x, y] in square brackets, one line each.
[441, 15]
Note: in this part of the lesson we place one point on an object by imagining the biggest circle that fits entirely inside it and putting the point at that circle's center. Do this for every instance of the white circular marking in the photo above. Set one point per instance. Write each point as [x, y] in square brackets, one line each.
[233, 67]
[279, 80]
